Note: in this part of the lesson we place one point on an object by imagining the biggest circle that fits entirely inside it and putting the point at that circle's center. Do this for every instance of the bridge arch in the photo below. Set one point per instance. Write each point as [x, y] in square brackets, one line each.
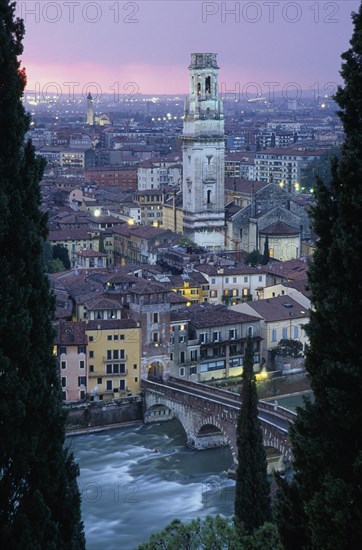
[215, 434]
[155, 370]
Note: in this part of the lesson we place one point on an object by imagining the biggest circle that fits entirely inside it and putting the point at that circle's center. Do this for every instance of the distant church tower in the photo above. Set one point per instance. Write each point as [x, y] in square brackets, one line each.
[203, 149]
[90, 110]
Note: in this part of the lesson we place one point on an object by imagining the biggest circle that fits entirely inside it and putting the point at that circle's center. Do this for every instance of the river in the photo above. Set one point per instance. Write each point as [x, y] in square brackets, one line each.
[135, 480]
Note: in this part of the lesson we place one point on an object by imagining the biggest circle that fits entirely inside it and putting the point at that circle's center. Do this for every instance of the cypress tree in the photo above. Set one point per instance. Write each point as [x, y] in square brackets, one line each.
[39, 497]
[266, 255]
[323, 506]
[252, 493]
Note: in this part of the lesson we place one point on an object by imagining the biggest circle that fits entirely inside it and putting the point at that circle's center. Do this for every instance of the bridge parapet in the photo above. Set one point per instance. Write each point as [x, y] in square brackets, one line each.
[196, 408]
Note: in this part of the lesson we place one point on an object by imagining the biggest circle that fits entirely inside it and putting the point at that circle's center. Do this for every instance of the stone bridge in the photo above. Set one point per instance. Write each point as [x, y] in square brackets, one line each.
[209, 415]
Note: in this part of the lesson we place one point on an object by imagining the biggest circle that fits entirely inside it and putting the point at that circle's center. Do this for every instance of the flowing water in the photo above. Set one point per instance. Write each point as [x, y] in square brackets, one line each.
[135, 480]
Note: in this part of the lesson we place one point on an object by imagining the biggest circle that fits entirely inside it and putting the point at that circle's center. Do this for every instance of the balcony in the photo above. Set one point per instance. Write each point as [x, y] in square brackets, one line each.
[115, 360]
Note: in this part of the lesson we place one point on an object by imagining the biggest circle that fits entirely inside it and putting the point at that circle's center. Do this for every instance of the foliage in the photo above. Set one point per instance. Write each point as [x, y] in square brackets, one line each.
[101, 246]
[56, 266]
[214, 533]
[39, 497]
[288, 347]
[55, 258]
[252, 493]
[254, 258]
[320, 168]
[327, 437]
[266, 255]
[61, 253]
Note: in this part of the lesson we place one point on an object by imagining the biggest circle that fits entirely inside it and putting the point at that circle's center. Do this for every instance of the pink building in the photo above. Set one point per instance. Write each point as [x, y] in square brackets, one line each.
[71, 350]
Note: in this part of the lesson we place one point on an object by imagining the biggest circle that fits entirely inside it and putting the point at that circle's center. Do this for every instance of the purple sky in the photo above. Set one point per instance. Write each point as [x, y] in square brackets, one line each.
[149, 43]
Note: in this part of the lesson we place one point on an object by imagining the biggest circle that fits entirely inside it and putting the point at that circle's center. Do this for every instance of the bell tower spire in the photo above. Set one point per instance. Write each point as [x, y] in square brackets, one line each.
[204, 155]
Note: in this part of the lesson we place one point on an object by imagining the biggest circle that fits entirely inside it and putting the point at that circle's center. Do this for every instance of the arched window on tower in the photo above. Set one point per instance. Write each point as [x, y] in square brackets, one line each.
[209, 197]
[199, 88]
[208, 85]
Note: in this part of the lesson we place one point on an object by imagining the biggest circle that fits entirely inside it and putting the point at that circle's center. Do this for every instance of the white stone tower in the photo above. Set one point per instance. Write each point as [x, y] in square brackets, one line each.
[90, 110]
[203, 147]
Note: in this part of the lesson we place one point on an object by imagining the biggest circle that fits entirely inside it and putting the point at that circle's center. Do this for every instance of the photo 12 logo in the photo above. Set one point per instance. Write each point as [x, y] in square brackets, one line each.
[270, 11]
[70, 90]
[75, 12]
[290, 91]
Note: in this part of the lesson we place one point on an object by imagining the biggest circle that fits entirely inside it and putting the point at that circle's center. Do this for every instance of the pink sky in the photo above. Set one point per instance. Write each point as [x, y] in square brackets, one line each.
[148, 43]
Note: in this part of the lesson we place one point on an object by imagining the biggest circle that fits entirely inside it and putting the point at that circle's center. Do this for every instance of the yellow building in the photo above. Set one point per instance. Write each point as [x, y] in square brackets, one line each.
[194, 287]
[114, 358]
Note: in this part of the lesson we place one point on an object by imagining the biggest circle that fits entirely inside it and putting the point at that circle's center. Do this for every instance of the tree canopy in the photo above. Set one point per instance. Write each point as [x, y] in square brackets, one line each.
[39, 497]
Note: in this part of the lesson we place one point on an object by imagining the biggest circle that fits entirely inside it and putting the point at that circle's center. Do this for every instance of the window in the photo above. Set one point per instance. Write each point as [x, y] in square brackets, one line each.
[112, 368]
[115, 337]
[90, 338]
[136, 379]
[213, 293]
[285, 333]
[81, 364]
[82, 394]
[99, 380]
[250, 331]
[274, 335]
[181, 339]
[81, 349]
[91, 354]
[62, 349]
[109, 337]
[64, 395]
[64, 381]
[216, 336]
[155, 337]
[115, 354]
[232, 334]
[182, 357]
[213, 281]
[121, 337]
[91, 368]
[193, 355]
[245, 279]
[81, 381]
[122, 354]
[63, 364]
[155, 318]
[295, 332]
[109, 385]
[182, 371]
[226, 280]
[203, 338]
[122, 384]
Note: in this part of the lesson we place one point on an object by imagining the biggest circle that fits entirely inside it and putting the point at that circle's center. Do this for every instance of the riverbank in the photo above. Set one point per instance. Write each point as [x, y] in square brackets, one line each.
[95, 429]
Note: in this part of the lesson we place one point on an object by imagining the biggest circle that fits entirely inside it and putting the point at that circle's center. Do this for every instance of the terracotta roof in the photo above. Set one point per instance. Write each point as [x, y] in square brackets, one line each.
[111, 324]
[279, 229]
[70, 234]
[72, 333]
[91, 254]
[207, 315]
[289, 269]
[280, 308]
[224, 270]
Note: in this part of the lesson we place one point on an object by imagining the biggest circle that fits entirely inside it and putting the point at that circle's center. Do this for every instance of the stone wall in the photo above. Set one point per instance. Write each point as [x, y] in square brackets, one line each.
[103, 413]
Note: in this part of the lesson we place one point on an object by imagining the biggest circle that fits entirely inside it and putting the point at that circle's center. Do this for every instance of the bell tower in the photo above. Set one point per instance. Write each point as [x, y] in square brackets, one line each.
[90, 110]
[203, 150]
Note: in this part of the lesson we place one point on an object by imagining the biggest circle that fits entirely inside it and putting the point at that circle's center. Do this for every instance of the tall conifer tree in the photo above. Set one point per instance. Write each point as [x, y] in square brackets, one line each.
[322, 508]
[39, 497]
[252, 493]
